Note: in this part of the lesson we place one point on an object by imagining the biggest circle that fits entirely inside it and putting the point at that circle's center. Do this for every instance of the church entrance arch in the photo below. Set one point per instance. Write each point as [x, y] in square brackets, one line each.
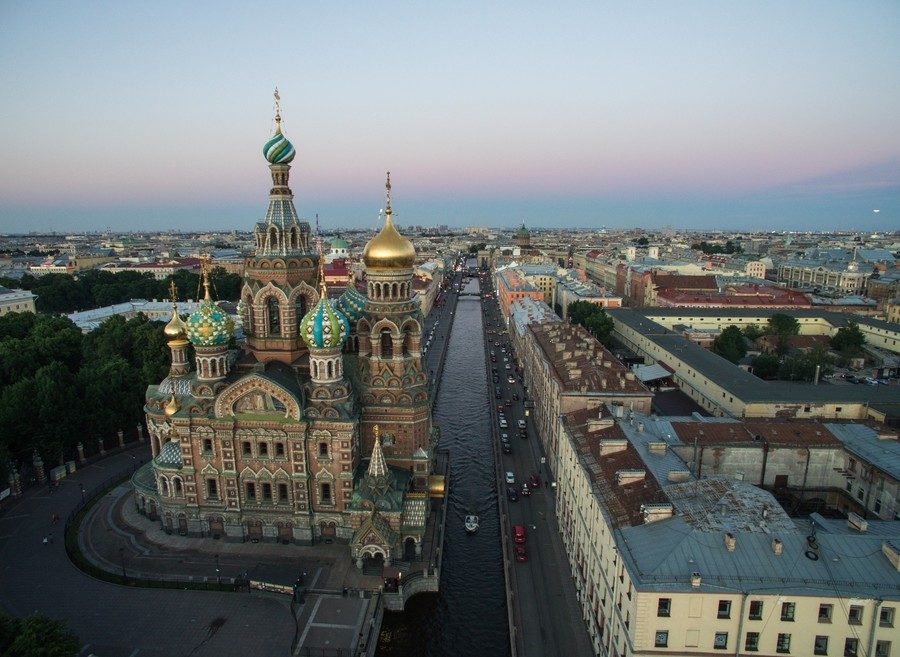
[285, 532]
[328, 530]
[409, 549]
[254, 530]
[182, 524]
[216, 526]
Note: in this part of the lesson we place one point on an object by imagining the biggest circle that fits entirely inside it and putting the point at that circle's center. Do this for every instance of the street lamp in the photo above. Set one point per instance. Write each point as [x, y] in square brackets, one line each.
[133, 463]
[218, 579]
[82, 494]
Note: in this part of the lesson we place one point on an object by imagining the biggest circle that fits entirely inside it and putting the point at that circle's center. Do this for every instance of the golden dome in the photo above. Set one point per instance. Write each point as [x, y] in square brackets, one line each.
[171, 407]
[176, 329]
[389, 249]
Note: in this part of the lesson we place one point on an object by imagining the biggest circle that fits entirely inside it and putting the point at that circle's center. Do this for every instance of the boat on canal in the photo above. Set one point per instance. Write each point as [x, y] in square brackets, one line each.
[471, 524]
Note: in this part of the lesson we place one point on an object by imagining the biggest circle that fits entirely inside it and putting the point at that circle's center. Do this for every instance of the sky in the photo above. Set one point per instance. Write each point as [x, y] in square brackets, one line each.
[735, 115]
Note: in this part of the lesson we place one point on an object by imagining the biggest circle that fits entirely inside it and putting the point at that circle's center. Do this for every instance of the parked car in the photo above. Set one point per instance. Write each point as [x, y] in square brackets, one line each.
[506, 447]
[512, 495]
[510, 477]
[521, 553]
[534, 480]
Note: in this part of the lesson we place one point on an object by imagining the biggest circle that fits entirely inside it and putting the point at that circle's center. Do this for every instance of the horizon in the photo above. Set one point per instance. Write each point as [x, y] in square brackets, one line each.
[689, 116]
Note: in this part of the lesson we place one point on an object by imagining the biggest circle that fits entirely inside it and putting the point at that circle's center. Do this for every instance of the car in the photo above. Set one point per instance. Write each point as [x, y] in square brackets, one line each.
[523, 434]
[504, 437]
[506, 447]
[510, 477]
[510, 379]
[521, 553]
[499, 408]
[534, 480]
[508, 402]
[871, 381]
[492, 352]
[498, 395]
[526, 491]
[516, 396]
[503, 424]
[520, 423]
[508, 366]
[512, 495]
[518, 532]
[496, 344]
[494, 370]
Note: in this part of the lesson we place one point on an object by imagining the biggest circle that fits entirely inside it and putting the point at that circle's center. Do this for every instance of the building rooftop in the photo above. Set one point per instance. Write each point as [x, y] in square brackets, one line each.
[879, 447]
[581, 363]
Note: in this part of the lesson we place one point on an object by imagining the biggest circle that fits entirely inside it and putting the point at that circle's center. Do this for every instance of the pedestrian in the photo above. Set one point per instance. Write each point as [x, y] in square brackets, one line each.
[45, 540]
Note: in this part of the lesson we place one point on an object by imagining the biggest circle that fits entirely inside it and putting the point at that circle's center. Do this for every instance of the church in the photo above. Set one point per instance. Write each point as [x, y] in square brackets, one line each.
[319, 426]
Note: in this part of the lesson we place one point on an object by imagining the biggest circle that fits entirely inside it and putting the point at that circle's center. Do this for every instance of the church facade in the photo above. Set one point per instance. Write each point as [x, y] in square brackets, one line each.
[319, 428]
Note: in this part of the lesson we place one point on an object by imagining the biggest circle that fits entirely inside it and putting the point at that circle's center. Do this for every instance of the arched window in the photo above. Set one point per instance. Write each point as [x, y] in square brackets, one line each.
[273, 238]
[407, 341]
[395, 293]
[294, 239]
[387, 344]
[330, 370]
[178, 489]
[326, 493]
[274, 316]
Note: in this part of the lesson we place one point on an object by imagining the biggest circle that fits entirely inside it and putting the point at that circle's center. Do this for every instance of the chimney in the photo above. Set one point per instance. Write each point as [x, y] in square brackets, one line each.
[857, 522]
[777, 546]
[607, 364]
[630, 475]
[629, 375]
[612, 446]
[622, 381]
[640, 427]
[655, 512]
[730, 542]
[657, 447]
[676, 476]
[695, 580]
[892, 551]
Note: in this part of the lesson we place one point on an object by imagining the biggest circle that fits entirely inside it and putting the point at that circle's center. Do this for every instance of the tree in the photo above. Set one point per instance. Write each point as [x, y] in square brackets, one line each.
[801, 366]
[37, 636]
[593, 318]
[782, 327]
[641, 241]
[765, 366]
[848, 340]
[476, 247]
[730, 344]
[752, 332]
[226, 286]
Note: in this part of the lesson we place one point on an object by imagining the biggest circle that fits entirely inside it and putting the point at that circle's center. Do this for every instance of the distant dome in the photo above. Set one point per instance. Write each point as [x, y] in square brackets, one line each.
[278, 150]
[209, 325]
[323, 327]
[339, 244]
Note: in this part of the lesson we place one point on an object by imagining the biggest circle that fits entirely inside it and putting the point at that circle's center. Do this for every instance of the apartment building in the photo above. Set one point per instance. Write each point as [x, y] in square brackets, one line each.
[665, 563]
[567, 369]
[16, 301]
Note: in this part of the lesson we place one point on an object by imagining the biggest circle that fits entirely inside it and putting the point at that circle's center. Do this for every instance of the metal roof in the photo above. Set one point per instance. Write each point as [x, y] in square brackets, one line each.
[863, 441]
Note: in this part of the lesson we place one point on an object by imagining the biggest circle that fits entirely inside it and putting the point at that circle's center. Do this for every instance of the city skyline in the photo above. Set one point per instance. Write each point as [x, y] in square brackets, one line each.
[763, 117]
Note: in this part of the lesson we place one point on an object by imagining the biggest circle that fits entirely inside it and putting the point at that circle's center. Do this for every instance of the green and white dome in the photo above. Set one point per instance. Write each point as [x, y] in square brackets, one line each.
[278, 150]
[324, 327]
[352, 303]
[209, 326]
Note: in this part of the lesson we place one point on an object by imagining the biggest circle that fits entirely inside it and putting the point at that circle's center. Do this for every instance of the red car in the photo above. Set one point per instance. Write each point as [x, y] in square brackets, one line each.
[534, 481]
[521, 554]
[518, 533]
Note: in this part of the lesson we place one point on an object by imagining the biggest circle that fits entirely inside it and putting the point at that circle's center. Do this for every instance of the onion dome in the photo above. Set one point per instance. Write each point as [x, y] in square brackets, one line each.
[324, 327]
[339, 243]
[352, 303]
[171, 406]
[389, 249]
[176, 329]
[209, 325]
[278, 150]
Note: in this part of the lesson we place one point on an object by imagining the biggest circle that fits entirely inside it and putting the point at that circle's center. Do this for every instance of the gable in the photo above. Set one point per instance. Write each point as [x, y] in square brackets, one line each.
[256, 395]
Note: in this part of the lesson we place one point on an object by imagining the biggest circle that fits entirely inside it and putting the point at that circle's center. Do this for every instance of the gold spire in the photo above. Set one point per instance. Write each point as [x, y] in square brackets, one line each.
[389, 249]
[176, 329]
[377, 466]
[323, 289]
[277, 111]
[204, 271]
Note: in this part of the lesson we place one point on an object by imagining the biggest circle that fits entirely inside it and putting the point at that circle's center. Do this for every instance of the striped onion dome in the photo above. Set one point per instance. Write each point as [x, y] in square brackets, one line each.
[352, 303]
[323, 327]
[209, 326]
[278, 150]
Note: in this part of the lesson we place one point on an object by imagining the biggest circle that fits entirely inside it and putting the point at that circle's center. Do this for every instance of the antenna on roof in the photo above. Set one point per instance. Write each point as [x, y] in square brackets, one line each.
[317, 223]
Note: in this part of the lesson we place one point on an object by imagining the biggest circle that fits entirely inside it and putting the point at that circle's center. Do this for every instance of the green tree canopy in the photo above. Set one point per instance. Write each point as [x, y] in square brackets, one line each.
[848, 340]
[782, 327]
[36, 636]
[801, 366]
[730, 344]
[593, 318]
[765, 366]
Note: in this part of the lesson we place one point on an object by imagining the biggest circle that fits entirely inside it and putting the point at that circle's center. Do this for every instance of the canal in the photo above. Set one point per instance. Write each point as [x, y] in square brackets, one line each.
[468, 616]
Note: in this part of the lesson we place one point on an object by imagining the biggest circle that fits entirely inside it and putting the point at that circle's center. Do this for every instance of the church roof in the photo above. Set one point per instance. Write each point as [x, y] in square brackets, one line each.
[169, 456]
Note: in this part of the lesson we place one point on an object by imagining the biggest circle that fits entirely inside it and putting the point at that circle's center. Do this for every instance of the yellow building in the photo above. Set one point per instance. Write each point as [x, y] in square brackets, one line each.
[667, 564]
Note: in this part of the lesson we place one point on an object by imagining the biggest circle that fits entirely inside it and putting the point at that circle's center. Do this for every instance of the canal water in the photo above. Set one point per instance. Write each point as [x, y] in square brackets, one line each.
[468, 616]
